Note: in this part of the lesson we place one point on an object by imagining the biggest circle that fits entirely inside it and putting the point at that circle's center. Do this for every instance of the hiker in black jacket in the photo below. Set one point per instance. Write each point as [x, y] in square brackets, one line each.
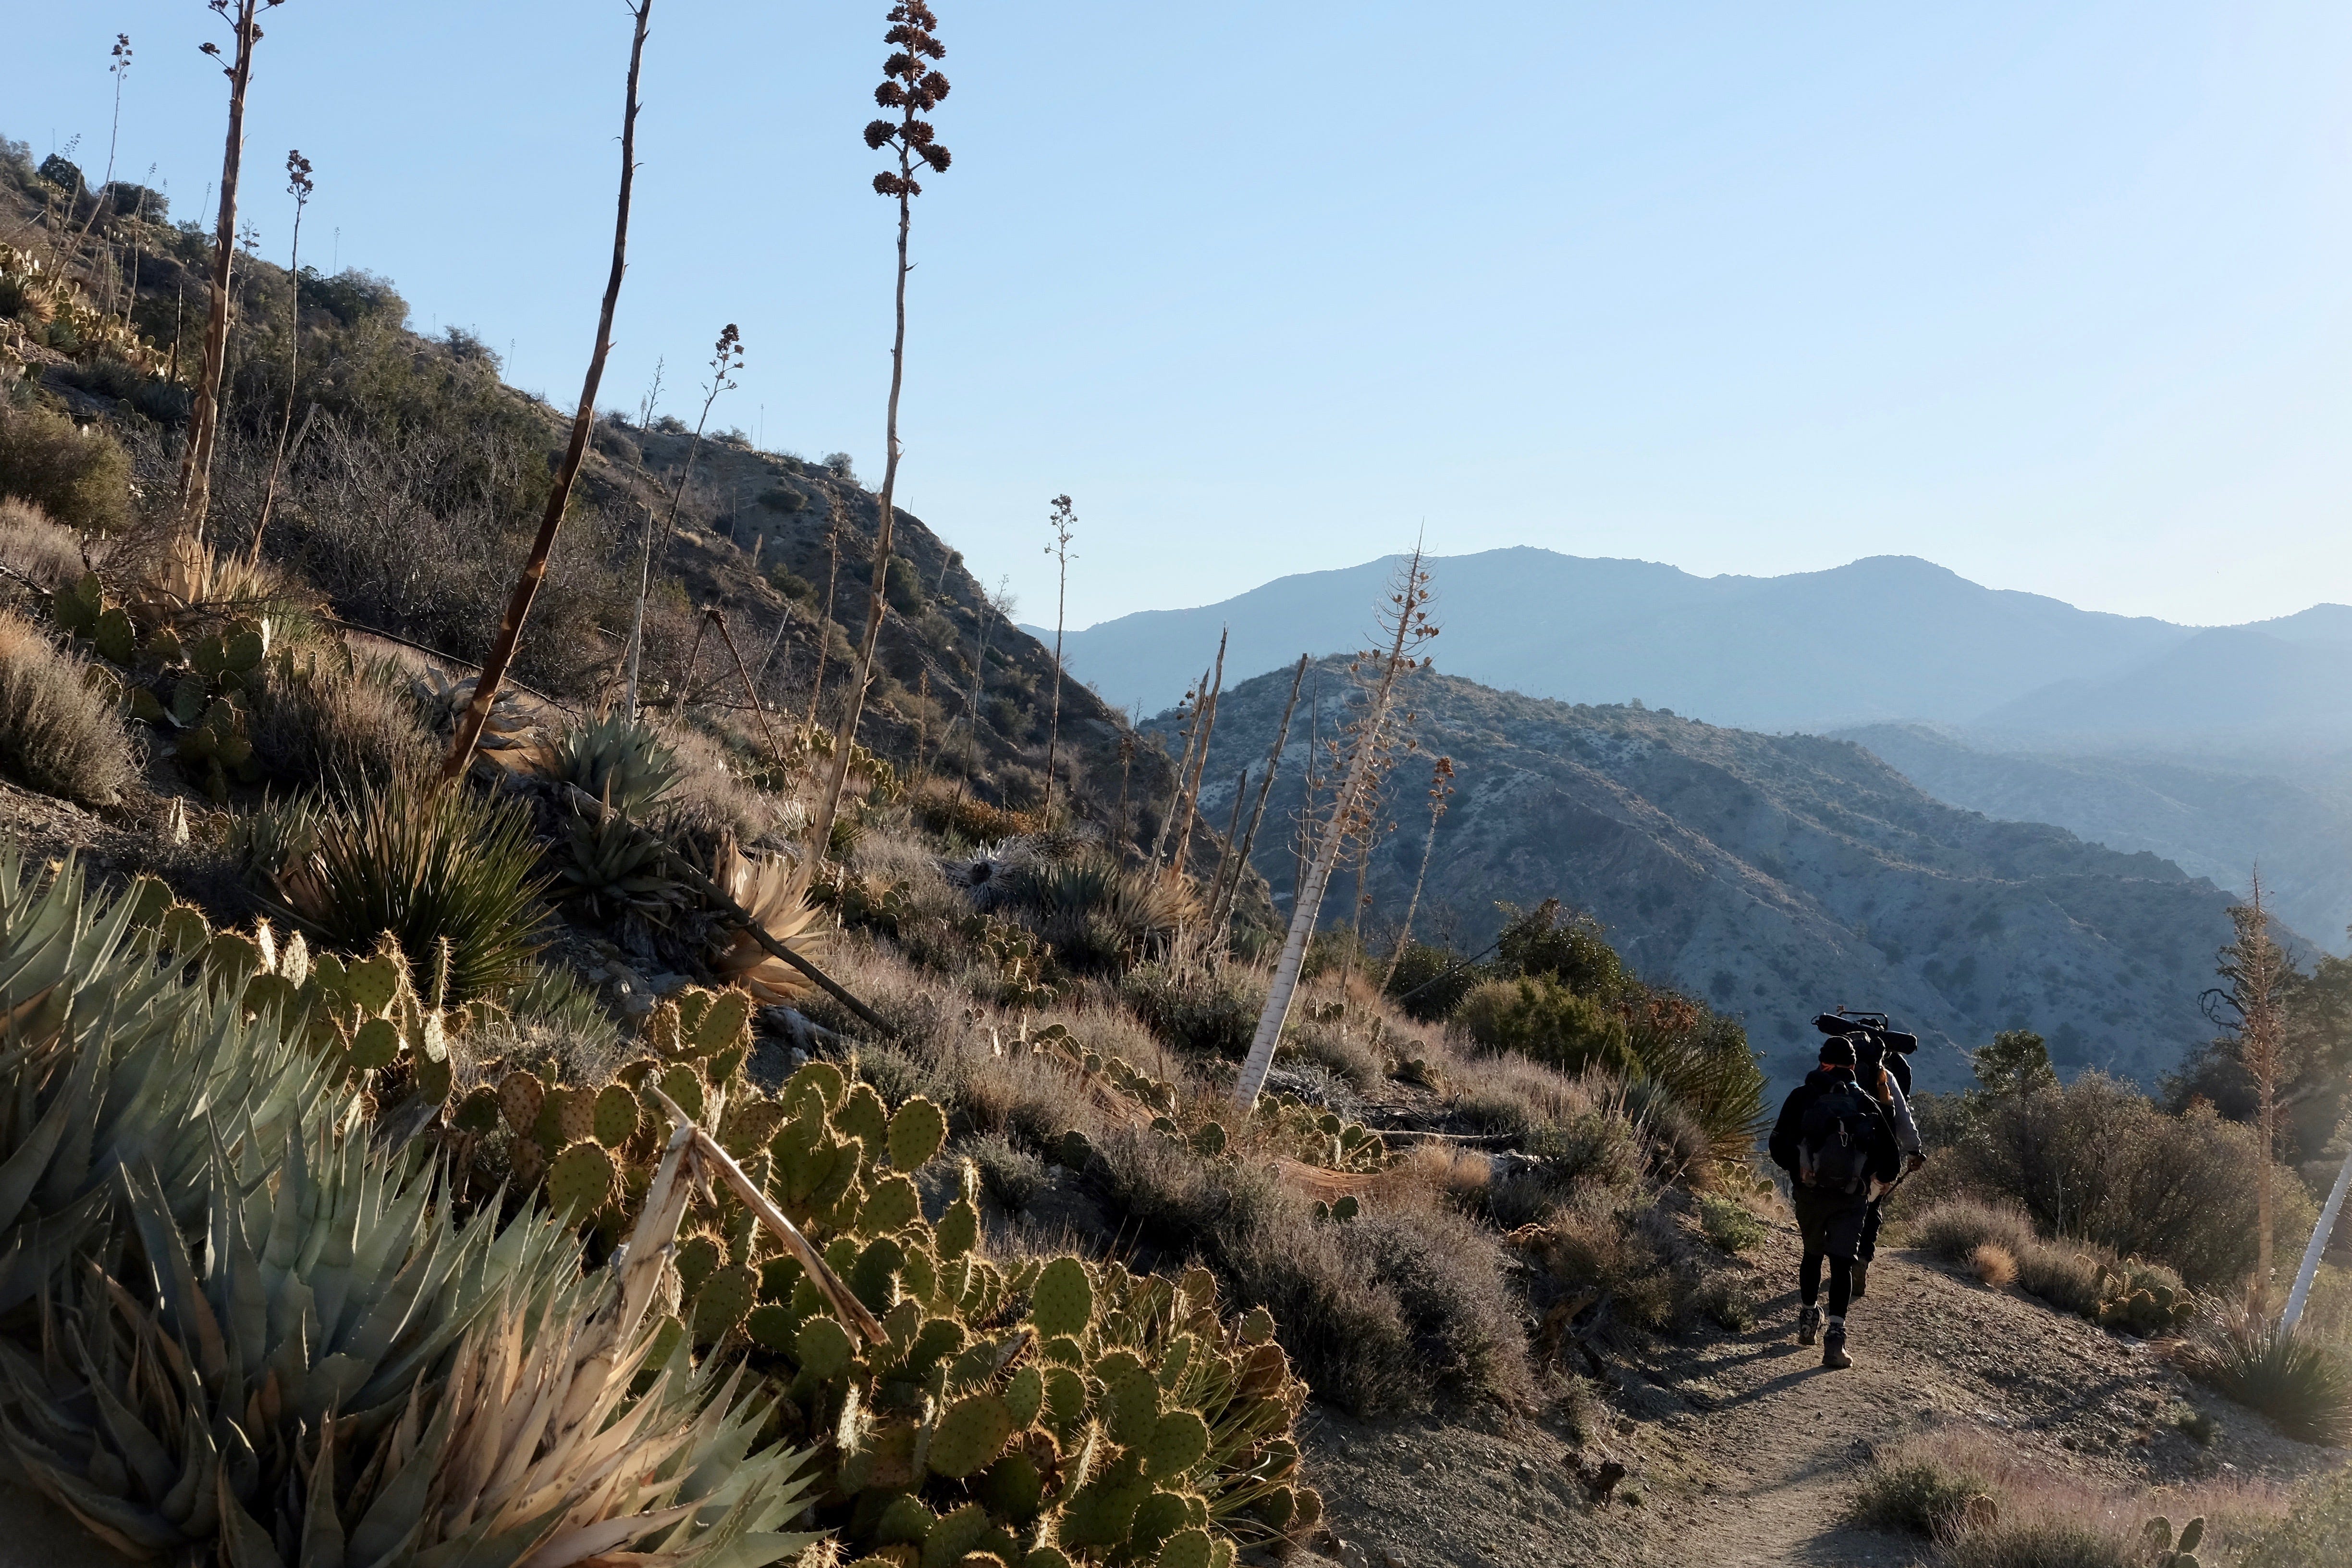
[1874, 1069]
[1834, 1141]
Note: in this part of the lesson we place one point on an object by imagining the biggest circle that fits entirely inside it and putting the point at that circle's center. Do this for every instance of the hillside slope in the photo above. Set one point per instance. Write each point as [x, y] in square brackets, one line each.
[2212, 823]
[1775, 875]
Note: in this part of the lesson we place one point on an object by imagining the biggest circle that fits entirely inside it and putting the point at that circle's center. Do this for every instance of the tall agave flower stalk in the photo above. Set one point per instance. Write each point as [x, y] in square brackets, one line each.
[299, 185]
[1221, 906]
[476, 711]
[1441, 790]
[912, 85]
[1406, 626]
[1064, 522]
[1207, 723]
[204, 415]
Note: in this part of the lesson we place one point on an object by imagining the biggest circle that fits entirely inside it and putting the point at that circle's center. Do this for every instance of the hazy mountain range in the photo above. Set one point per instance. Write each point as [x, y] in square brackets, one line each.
[1890, 638]
[1776, 875]
[2215, 747]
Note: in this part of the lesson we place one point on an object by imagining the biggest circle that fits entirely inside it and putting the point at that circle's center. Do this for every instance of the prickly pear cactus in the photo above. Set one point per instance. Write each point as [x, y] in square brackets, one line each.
[191, 682]
[1045, 1412]
[2164, 1552]
[2145, 1302]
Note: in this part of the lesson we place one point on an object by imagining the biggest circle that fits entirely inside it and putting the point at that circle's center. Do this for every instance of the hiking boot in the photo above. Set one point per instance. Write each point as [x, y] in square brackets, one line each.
[1809, 1323]
[1834, 1356]
[1861, 1277]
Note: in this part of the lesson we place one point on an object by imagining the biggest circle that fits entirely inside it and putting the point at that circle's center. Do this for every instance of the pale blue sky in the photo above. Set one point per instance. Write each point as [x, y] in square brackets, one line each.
[2054, 294]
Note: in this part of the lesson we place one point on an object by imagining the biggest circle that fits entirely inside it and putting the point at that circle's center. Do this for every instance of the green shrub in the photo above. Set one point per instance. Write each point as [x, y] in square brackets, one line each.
[1915, 1492]
[59, 733]
[1547, 1022]
[151, 397]
[81, 477]
[2099, 1161]
[1729, 1301]
[1567, 948]
[447, 867]
[1728, 1225]
[2304, 1386]
[1430, 981]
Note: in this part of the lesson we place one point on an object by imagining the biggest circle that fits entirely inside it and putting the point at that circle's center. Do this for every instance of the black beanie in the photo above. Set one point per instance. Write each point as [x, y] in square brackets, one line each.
[1837, 1051]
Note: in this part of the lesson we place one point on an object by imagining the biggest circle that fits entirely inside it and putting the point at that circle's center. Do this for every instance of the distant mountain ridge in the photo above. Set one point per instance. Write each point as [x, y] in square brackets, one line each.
[1885, 639]
[1776, 875]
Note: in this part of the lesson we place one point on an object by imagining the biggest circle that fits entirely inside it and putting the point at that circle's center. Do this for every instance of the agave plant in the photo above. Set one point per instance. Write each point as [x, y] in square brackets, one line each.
[1094, 912]
[110, 1061]
[772, 894]
[616, 759]
[450, 867]
[331, 1285]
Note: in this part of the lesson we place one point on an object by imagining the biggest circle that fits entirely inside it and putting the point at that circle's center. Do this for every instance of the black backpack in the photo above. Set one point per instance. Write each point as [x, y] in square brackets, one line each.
[1836, 1139]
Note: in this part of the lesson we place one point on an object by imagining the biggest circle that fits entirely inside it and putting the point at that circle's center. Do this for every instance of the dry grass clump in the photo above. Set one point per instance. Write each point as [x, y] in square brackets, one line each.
[1407, 1304]
[1988, 1504]
[1924, 1488]
[710, 797]
[1994, 1264]
[1335, 1045]
[1008, 1172]
[36, 546]
[59, 734]
[345, 729]
[2064, 1274]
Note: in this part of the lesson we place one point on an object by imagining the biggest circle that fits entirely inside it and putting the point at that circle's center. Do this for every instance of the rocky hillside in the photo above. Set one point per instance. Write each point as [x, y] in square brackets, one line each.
[2211, 822]
[1776, 876]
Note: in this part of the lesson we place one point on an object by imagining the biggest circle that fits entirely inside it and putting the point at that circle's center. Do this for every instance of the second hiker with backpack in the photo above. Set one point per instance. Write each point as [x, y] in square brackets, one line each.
[1834, 1139]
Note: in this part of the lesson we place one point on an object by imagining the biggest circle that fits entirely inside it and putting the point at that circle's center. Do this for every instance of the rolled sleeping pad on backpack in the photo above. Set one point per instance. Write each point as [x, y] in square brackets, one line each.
[1896, 1040]
[1836, 1024]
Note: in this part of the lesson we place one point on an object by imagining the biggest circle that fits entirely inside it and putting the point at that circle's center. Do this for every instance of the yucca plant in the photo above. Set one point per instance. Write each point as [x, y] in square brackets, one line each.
[107, 1061]
[1094, 912]
[350, 1374]
[2303, 1385]
[450, 867]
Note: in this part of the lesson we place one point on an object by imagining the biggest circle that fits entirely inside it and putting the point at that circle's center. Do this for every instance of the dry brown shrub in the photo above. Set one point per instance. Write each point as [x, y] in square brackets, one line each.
[343, 729]
[1994, 1264]
[59, 734]
[36, 546]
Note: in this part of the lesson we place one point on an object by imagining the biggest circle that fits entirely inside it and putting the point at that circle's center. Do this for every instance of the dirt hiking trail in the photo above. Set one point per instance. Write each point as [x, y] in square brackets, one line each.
[1743, 1452]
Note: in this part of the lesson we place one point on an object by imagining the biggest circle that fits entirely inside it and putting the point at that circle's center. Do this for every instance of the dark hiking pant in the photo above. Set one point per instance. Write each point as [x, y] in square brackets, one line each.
[1870, 1232]
[1831, 1223]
